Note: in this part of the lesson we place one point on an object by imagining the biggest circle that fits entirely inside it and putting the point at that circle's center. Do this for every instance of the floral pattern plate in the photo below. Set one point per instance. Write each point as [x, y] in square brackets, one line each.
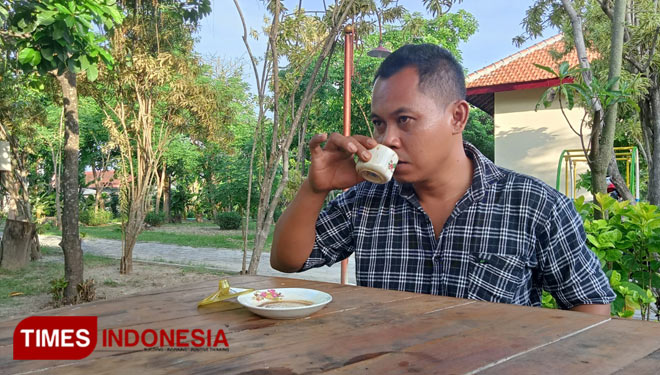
[285, 303]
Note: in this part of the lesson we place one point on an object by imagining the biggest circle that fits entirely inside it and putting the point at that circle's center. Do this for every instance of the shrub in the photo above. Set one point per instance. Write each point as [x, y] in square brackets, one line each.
[625, 239]
[228, 220]
[155, 219]
[93, 218]
[44, 227]
[57, 287]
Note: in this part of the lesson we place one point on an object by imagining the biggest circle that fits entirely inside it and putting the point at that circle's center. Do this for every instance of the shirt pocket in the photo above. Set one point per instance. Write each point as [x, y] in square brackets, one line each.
[496, 277]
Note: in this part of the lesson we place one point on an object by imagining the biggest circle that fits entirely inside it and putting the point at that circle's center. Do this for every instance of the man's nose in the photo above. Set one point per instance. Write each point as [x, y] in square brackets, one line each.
[390, 137]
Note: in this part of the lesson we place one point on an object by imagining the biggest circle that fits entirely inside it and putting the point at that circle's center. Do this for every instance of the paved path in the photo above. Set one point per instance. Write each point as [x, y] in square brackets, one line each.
[223, 259]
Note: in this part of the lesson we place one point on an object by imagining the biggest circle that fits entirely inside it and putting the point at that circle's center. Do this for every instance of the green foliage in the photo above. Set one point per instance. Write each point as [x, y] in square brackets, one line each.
[228, 220]
[42, 206]
[155, 219]
[93, 218]
[44, 227]
[59, 34]
[548, 301]
[57, 287]
[326, 111]
[578, 92]
[584, 181]
[479, 131]
[627, 243]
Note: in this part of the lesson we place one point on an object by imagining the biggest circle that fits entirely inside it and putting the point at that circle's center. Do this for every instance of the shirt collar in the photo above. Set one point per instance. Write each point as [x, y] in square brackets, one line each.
[485, 174]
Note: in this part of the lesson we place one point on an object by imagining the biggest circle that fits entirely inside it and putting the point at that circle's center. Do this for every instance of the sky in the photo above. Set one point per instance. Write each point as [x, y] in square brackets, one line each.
[499, 21]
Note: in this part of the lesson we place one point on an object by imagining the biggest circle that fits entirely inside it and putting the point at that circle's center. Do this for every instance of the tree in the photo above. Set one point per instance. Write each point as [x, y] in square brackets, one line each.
[306, 42]
[603, 112]
[53, 137]
[58, 37]
[157, 88]
[20, 110]
[97, 150]
[479, 131]
[640, 35]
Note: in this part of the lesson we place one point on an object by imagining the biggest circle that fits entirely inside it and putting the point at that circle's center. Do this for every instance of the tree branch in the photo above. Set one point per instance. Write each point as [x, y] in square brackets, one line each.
[652, 52]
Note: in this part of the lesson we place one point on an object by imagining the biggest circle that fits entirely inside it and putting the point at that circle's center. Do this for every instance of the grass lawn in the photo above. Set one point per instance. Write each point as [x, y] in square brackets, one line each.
[176, 234]
[35, 278]
[31, 280]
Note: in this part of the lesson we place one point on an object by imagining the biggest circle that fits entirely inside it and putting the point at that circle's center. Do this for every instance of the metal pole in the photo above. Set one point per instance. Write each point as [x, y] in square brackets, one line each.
[348, 73]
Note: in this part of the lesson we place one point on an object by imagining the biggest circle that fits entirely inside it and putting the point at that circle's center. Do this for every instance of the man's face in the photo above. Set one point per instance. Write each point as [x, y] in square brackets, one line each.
[413, 124]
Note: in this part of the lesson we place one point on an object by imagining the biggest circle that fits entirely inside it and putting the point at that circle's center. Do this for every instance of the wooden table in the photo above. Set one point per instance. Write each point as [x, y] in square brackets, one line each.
[362, 330]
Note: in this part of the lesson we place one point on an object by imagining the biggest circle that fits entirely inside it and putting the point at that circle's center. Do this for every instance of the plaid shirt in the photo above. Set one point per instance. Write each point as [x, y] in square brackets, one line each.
[509, 237]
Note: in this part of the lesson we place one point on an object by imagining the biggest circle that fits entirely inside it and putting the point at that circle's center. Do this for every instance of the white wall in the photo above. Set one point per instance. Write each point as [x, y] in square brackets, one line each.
[531, 142]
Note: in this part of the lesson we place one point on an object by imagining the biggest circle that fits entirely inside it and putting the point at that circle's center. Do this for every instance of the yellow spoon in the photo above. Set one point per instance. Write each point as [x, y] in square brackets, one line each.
[224, 292]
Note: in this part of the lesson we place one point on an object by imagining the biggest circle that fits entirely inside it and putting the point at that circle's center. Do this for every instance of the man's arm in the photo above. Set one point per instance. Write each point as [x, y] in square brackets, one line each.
[332, 168]
[573, 272]
[593, 309]
[295, 231]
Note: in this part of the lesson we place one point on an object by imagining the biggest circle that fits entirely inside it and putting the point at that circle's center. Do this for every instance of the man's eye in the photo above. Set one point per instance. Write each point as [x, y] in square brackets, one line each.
[404, 119]
[377, 123]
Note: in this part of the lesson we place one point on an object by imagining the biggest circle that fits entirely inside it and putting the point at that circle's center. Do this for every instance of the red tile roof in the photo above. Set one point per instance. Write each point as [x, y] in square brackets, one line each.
[107, 179]
[519, 67]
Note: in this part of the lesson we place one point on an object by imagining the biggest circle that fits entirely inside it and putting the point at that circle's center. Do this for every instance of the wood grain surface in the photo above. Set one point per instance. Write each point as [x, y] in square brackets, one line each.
[363, 330]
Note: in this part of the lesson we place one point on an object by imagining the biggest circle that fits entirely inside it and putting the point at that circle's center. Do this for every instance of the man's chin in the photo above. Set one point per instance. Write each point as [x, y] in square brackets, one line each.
[401, 178]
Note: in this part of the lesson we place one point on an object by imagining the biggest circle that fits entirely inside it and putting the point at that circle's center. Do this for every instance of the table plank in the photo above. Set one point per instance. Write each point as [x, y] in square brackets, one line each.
[360, 326]
[362, 330]
[491, 332]
[632, 347]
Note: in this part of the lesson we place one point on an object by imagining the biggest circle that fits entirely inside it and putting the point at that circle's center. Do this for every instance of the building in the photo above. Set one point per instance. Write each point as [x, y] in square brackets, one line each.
[108, 181]
[526, 140]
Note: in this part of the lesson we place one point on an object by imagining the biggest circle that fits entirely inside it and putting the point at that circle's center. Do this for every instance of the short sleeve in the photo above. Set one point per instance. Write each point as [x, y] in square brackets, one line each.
[334, 232]
[570, 271]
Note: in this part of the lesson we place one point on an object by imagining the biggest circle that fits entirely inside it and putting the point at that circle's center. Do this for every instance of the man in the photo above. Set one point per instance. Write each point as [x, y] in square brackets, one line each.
[450, 222]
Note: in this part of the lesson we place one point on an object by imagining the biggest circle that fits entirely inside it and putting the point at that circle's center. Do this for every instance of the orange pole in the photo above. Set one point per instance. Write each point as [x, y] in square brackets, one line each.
[348, 73]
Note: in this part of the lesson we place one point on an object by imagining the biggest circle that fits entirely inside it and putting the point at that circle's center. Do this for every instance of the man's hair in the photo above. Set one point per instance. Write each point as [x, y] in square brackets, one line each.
[439, 72]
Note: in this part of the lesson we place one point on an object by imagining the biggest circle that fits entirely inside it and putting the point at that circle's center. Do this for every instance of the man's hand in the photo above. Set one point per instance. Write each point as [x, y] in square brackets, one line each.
[333, 166]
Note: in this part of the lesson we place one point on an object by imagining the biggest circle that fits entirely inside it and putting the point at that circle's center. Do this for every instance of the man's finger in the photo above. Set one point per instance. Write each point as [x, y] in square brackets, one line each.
[315, 144]
[337, 141]
[367, 142]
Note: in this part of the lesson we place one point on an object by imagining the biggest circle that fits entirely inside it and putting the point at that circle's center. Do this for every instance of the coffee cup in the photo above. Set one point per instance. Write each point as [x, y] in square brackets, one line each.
[380, 167]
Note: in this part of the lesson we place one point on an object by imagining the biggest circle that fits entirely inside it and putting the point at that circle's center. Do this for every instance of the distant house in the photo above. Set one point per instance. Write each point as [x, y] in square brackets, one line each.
[108, 180]
[527, 141]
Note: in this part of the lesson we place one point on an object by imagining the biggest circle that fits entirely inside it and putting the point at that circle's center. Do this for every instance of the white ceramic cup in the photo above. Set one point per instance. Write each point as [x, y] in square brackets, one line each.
[380, 167]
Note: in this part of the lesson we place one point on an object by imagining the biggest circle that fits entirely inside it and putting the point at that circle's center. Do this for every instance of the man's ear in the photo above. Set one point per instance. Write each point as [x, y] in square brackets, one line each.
[460, 111]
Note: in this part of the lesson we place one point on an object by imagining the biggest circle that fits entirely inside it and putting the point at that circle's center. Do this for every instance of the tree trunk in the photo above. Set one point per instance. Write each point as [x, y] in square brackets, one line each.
[166, 196]
[73, 261]
[35, 248]
[98, 190]
[17, 244]
[56, 154]
[58, 204]
[130, 232]
[20, 240]
[604, 155]
[652, 136]
[160, 178]
[618, 180]
[126, 263]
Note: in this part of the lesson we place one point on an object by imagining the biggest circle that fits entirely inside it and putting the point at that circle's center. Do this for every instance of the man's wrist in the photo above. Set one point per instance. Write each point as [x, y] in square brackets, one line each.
[308, 184]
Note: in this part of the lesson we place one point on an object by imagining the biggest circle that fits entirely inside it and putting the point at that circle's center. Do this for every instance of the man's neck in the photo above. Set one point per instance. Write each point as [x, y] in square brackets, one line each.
[445, 186]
